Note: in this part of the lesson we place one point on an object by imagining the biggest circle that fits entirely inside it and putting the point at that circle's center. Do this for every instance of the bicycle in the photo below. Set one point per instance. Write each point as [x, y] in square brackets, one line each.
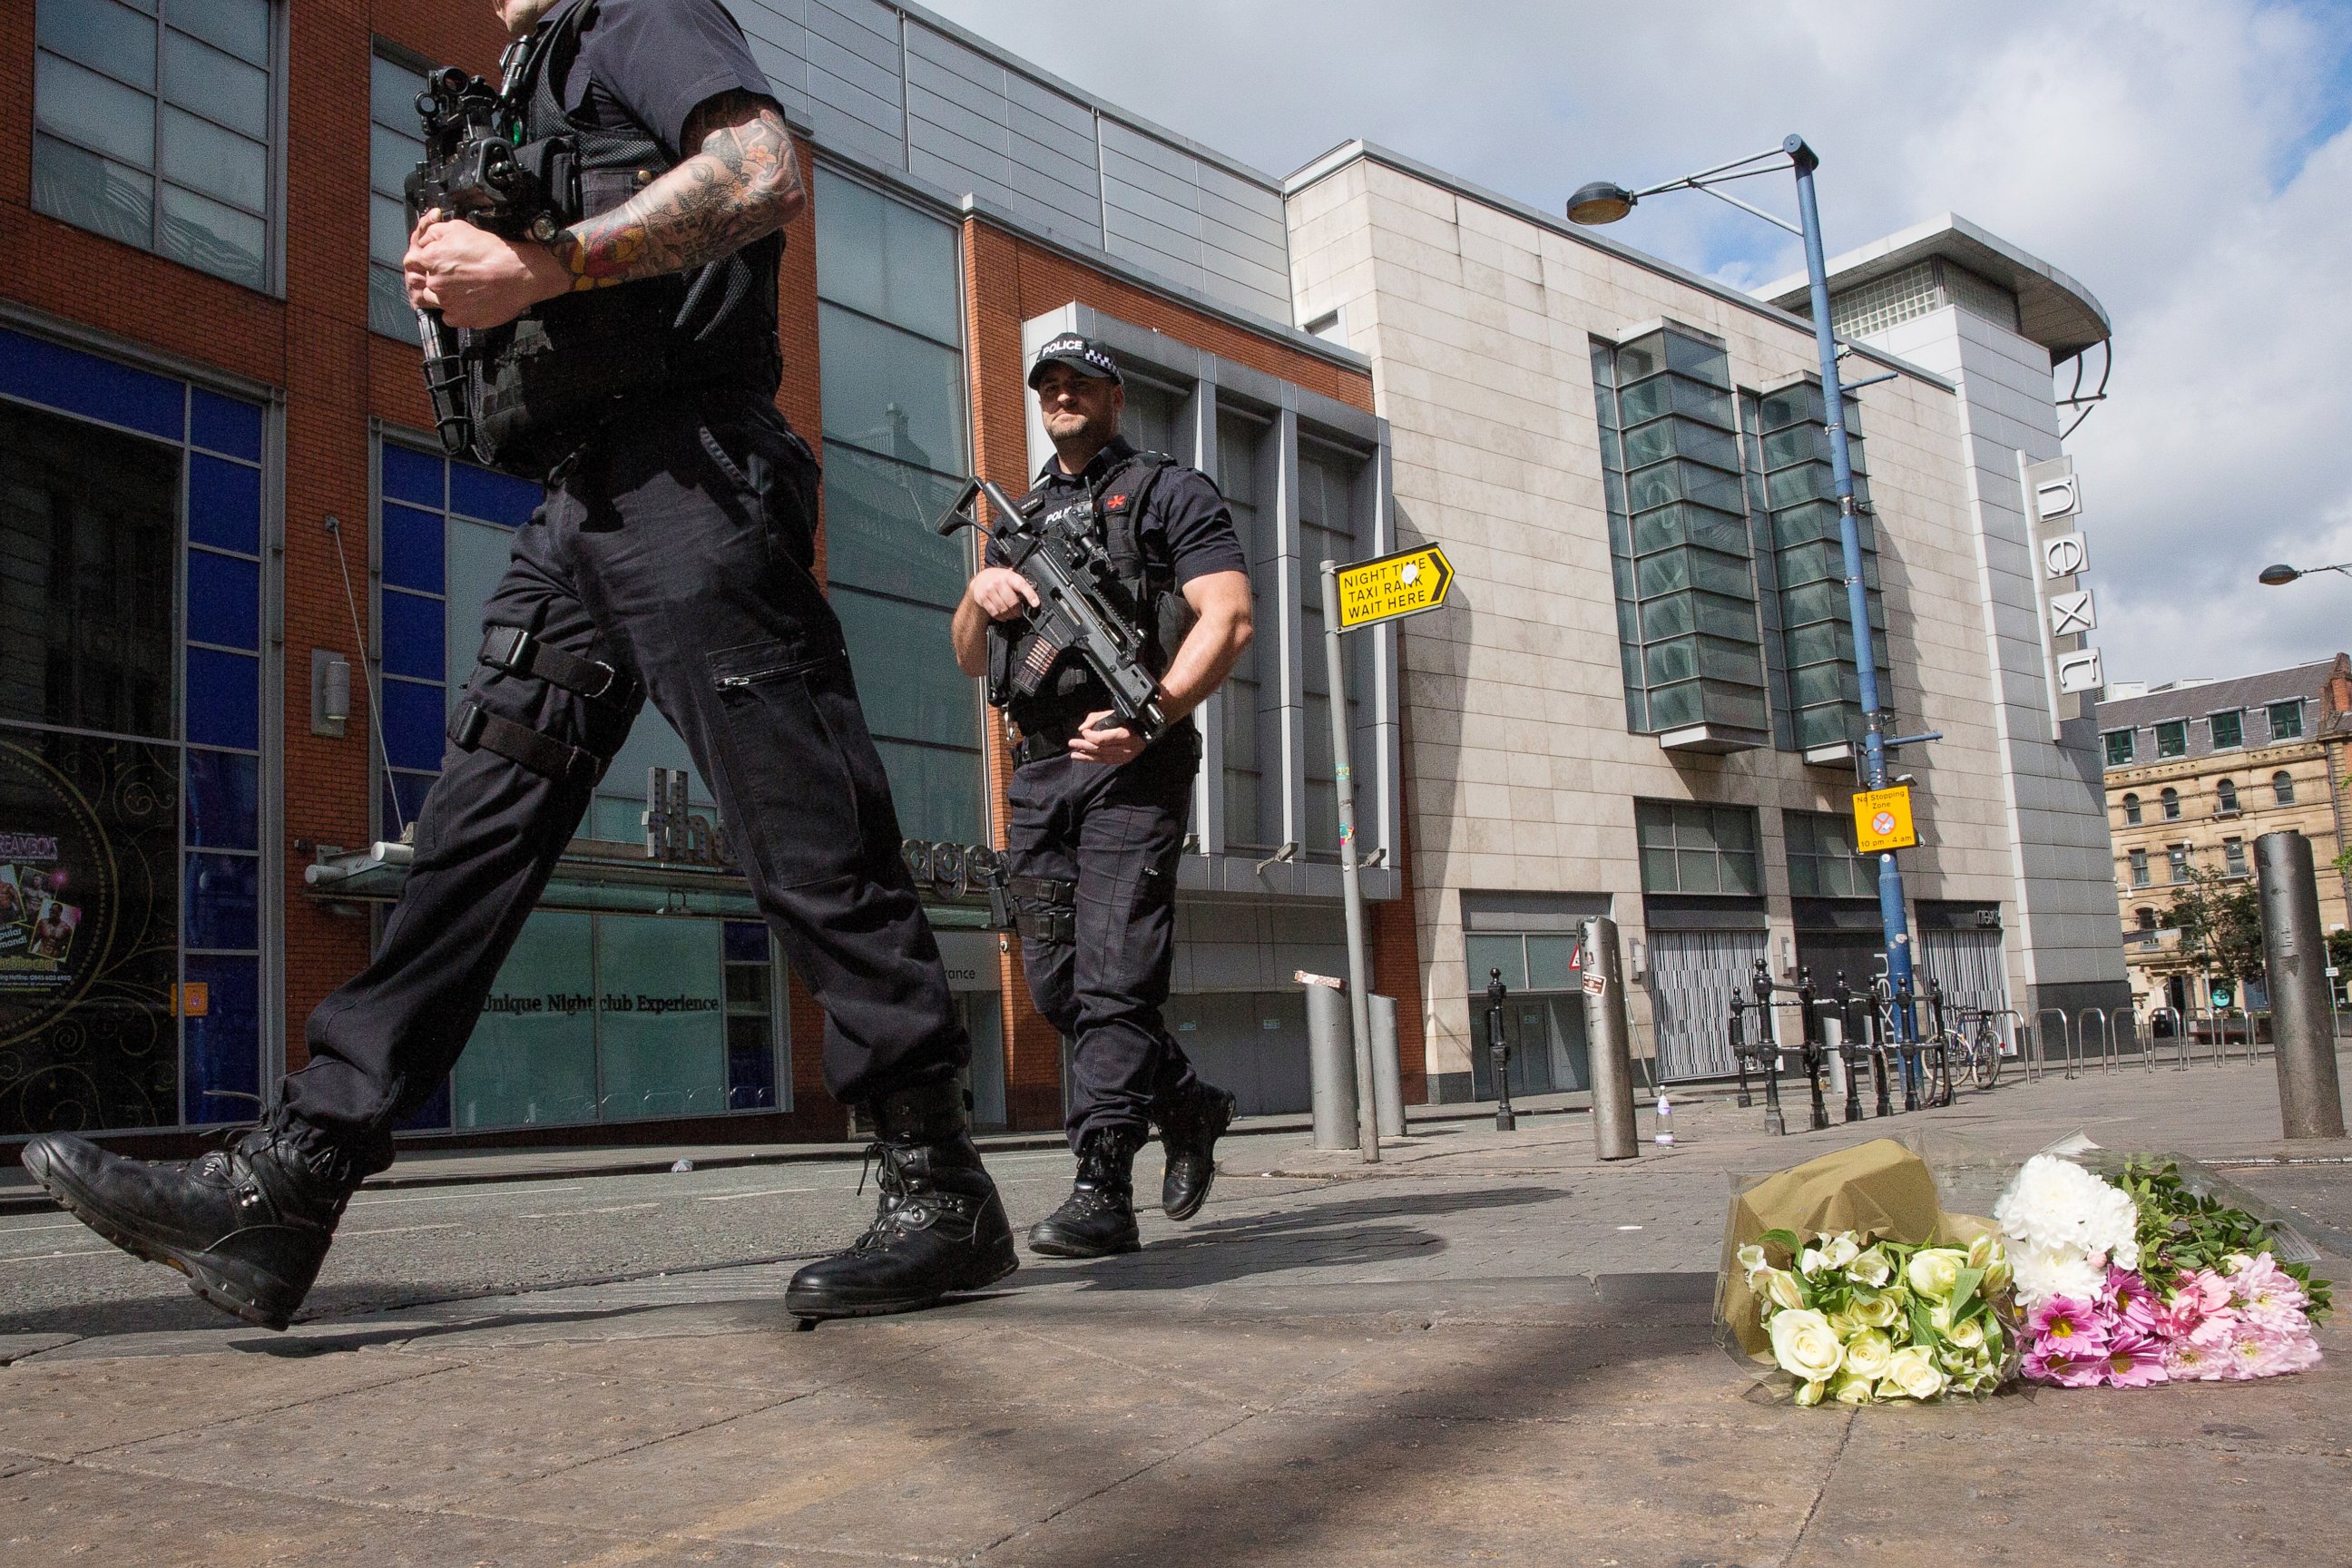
[1979, 1045]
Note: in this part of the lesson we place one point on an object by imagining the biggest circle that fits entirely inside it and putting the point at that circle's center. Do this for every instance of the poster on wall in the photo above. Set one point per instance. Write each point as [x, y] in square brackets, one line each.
[89, 918]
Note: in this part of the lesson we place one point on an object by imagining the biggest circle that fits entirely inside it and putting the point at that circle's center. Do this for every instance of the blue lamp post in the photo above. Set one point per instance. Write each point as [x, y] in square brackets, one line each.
[1602, 201]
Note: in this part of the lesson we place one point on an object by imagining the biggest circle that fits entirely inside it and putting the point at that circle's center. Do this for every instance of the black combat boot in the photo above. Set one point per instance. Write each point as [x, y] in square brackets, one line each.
[248, 1225]
[1189, 1132]
[1098, 1218]
[938, 1229]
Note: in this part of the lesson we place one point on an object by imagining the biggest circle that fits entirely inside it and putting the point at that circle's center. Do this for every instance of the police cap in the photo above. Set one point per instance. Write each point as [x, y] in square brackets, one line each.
[1082, 354]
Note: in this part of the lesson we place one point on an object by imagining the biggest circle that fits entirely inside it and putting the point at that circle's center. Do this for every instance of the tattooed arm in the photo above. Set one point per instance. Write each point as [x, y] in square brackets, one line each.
[744, 183]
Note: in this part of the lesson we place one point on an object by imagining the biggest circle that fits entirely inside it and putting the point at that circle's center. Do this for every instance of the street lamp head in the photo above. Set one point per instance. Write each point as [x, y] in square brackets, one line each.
[1602, 201]
[2278, 576]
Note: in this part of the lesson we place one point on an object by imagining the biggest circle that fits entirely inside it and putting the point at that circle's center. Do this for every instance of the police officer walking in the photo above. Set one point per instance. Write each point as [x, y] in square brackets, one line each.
[1097, 816]
[632, 363]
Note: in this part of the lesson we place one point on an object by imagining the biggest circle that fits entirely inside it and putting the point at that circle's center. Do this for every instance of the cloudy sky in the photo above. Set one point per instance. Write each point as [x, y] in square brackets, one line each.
[2188, 160]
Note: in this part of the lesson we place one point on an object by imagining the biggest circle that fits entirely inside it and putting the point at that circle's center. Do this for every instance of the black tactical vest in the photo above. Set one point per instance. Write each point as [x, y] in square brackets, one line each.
[550, 380]
[1144, 590]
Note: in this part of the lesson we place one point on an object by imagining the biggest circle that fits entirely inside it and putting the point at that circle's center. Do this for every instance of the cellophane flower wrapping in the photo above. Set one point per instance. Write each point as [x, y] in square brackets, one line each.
[1844, 1281]
[2141, 1270]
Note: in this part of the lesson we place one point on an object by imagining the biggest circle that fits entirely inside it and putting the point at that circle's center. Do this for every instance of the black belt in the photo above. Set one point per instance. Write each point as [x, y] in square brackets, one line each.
[1039, 748]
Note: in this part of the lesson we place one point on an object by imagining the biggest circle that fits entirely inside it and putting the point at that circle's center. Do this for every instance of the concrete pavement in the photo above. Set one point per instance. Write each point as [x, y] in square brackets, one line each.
[1487, 1348]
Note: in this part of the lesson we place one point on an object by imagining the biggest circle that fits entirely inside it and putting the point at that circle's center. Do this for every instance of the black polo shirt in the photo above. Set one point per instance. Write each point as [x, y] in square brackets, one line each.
[1185, 526]
[649, 65]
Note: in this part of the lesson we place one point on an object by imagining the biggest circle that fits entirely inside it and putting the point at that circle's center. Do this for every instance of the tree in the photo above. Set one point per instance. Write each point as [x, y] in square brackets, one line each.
[2221, 924]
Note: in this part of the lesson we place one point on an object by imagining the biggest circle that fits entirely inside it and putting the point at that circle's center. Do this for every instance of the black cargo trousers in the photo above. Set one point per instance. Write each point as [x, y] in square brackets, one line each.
[677, 551]
[1094, 850]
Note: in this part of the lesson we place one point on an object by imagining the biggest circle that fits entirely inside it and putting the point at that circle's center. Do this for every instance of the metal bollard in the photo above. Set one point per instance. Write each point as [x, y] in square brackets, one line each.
[1609, 1045]
[1331, 1063]
[1388, 1074]
[1505, 1120]
[2065, 1039]
[2311, 1099]
[2105, 1040]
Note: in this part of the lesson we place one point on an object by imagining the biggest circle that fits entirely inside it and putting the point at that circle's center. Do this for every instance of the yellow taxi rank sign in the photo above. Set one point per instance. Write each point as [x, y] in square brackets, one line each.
[1390, 587]
[1882, 820]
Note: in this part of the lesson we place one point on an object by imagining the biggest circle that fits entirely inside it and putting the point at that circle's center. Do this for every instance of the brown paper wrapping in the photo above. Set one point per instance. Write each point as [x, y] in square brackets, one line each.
[1879, 1190]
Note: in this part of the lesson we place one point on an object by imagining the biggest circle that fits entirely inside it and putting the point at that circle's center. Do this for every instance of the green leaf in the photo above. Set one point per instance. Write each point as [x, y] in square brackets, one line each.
[1966, 1302]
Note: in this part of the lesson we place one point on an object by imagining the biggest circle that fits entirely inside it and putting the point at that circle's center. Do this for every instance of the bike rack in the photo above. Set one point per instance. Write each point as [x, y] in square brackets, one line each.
[2106, 1039]
[2180, 1037]
[2067, 1046]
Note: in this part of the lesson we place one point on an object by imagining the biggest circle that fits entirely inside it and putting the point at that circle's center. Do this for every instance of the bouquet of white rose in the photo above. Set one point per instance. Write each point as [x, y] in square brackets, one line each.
[1857, 1319]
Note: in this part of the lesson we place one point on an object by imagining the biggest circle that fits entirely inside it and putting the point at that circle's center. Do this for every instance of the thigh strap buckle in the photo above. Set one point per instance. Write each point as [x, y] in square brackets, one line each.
[1047, 909]
[518, 652]
[475, 728]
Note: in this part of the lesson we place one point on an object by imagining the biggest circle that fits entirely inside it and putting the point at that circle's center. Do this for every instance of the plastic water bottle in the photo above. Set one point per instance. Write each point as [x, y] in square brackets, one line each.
[1665, 1122]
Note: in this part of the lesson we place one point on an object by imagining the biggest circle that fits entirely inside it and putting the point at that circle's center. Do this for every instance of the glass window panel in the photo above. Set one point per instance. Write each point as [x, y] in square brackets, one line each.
[1694, 356]
[412, 476]
[226, 424]
[388, 311]
[938, 793]
[1152, 412]
[1698, 872]
[224, 800]
[203, 156]
[240, 26]
[2172, 738]
[493, 496]
[112, 38]
[1739, 874]
[2283, 787]
[387, 231]
[412, 545]
[1658, 871]
[1547, 964]
[217, 86]
[224, 699]
[878, 528]
[406, 792]
[87, 540]
[223, 901]
[223, 600]
[661, 1041]
[95, 111]
[752, 1064]
[907, 675]
[223, 504]
[531, 1059]
[212, 237]
[392, 96]
[886, 258]
[222, 1046]
[2229, 730]
[92, 192]
[414, 632]
[477, 558]
[391, 157]
[415, 716]
[890, 392]
[2286, 720]
[1672, 707]
[1490, 952]
[747, 943]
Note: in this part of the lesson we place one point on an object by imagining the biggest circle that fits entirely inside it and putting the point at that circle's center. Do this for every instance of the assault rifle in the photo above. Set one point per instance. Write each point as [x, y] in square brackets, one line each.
[1079, 608]
[471, 171]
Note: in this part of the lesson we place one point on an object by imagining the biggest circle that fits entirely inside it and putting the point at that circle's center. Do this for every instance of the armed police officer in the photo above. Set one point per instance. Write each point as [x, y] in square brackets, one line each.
[1097, 814]
[630, 361]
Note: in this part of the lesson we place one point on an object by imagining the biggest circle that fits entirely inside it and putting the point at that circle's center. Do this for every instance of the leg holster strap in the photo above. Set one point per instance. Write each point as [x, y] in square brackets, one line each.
[1047, 909]
[473, 727]
[516, 651]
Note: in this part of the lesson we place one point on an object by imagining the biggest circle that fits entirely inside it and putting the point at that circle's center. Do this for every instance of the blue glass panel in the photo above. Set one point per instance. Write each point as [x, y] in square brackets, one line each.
[223, 504]
[414, 546]
[223, 1043]
[414, 719]
[224, 699]
[412, 476]
[224, 798]
[406, 791]
[83, 384]
[224, 599]
[747, 941]
[750, 1066]
[435, 1115]
[221, 900]
[413, 635]
[225, 424]
[492, 497]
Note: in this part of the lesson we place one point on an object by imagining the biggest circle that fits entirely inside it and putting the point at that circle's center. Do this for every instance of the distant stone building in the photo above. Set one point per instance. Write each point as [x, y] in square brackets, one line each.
[2197, 771]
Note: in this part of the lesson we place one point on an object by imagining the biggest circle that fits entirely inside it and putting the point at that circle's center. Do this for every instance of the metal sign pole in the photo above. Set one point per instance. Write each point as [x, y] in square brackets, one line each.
[1368, 1126]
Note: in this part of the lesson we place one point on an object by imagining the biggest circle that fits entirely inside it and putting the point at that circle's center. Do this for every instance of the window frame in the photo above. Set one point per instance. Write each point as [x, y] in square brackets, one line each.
[2132, 808]
[2173, 727]
[2130, 739]
[2283, 787]
[272, 211]
[2168, 803]
[2225, 797]
[2270, 711]
[2237, 717]
[2141, 874]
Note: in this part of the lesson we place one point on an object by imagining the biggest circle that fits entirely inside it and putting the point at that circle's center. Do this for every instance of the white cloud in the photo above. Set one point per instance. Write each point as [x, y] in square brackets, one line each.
[2182, 158]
